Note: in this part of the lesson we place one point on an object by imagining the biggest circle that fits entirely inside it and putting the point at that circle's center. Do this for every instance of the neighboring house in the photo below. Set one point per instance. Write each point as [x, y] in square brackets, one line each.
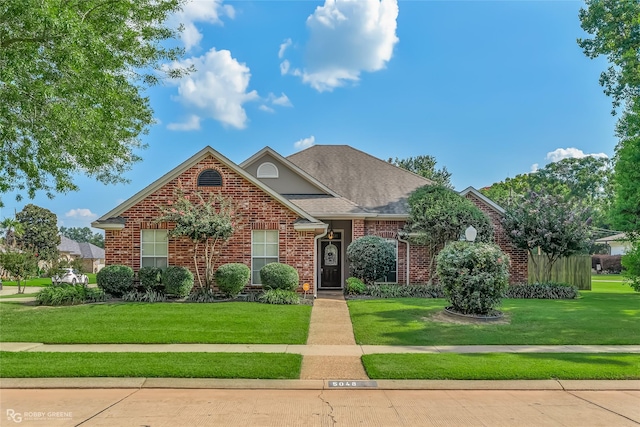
[93, 257]
[618, 244]
[303, 210]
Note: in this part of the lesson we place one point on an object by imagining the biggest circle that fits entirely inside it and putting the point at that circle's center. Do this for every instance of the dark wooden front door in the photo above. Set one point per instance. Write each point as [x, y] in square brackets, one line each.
[331, 264]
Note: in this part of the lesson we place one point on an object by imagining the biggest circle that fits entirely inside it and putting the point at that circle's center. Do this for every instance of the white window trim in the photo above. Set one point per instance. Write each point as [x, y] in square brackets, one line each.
[154, 242]
[261, 173]
[262, 257]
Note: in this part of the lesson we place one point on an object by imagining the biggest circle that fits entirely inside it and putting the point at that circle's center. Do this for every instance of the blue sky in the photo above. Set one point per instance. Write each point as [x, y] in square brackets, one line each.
[491, 89]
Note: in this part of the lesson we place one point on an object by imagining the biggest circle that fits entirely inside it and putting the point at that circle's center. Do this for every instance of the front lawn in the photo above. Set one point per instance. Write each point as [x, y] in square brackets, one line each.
[161, 365]
[503, 366]
[123, 323]
[597, 317]
[42, 281]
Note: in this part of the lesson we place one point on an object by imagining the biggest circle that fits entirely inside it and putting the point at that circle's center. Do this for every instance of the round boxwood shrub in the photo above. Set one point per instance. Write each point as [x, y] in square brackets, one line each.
[279, 276]
[231, 278]
[474, 276]
[178, 281]
[115, 280]
[151, 279]
[371, 258]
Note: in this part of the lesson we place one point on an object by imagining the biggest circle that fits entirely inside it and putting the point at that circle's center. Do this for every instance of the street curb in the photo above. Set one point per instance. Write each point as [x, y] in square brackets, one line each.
[253, 384]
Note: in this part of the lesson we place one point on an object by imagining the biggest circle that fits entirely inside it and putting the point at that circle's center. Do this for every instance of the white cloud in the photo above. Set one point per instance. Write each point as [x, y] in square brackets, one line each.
[346, 38]
[284, 67]
[283, 48]
[267, 109]
[210, 11]
[534, 167]
[565, 153]
[218, 87]
[305, 143]
[81, 213]
[192, 123]
[282, 100]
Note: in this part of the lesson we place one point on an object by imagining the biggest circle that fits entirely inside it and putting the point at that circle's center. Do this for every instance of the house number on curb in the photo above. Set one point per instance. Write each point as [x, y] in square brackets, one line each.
[352, 384]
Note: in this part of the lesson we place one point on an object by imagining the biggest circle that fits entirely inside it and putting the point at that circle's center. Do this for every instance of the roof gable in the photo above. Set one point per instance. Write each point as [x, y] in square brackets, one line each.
[493, 205]
[184, 166]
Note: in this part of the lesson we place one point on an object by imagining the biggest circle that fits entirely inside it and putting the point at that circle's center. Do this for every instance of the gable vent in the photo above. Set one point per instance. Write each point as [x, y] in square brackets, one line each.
[210, 178]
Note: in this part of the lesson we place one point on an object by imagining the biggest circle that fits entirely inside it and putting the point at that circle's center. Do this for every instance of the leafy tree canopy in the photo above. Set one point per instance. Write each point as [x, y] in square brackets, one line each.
[20, 264]
[71, 80]
[40, 231]
[425, 166]
[547, 222]
[83, 234]
[439, 215]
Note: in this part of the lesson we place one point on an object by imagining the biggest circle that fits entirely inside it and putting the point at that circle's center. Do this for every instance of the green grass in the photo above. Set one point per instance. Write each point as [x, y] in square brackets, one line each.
[231, 323]
[503, 366]
[597, 317]
[163, 365]
[610, 283]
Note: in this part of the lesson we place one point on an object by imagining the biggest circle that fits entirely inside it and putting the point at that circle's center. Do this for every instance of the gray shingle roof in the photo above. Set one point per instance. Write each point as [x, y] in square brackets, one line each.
[324, 204]
[80, 249]
[369, 182]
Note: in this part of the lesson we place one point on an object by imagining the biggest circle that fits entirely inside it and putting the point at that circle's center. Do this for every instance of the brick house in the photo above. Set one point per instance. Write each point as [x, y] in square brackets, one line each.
[302, 210]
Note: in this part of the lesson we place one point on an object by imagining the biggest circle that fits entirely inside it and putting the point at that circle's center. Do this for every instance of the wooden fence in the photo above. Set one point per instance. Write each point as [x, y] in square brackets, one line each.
[574, 270]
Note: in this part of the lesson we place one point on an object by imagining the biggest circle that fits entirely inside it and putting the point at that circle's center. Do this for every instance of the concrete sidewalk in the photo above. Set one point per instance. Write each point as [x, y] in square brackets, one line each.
[311, 350]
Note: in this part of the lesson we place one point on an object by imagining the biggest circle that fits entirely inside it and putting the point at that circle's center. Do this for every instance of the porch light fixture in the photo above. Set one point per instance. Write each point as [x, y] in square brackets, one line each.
[470, 234]
[330, 233]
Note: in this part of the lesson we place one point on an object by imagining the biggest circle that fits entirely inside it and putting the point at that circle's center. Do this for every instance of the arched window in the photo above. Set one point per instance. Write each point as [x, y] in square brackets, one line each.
[210, 178]
[267, 170]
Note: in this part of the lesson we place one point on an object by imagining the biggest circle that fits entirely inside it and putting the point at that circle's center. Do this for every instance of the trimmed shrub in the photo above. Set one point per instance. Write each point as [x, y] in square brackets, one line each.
[611, 264]
[115, 280]
[474, 276]
[232, 278]
[549, 290]
[354, 286]
[279, 296]
[279, 276]
[151, 278]
[178, 281]
[371, 258]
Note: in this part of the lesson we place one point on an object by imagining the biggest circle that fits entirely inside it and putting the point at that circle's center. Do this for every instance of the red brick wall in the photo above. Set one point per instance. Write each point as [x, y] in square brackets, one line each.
[258, 211]
[519, 258]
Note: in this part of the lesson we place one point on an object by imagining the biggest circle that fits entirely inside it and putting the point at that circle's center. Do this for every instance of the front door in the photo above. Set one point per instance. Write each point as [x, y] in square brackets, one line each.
[331, 264]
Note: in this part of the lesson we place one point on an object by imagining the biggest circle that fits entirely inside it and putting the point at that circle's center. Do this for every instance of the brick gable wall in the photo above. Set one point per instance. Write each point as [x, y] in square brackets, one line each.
[518, 271]
[258, 211]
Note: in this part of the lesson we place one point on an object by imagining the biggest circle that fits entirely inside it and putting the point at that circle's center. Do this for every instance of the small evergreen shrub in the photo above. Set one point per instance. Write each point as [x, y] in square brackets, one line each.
[279, 276]
[151, 278]
[232, 278]
[474, 276]
[146, 296]
[279, 296]
[202, 294]
[115, 280]
[178, 281]
[94, 295]
[371, 258]
[354, 286]
[542, 291]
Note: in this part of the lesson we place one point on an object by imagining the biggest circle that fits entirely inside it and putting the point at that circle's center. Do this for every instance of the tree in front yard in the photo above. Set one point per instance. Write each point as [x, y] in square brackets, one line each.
[439, 215]
[40, 234]
[370, 258]
[20, 264]
[209, 223]
[547, 222]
